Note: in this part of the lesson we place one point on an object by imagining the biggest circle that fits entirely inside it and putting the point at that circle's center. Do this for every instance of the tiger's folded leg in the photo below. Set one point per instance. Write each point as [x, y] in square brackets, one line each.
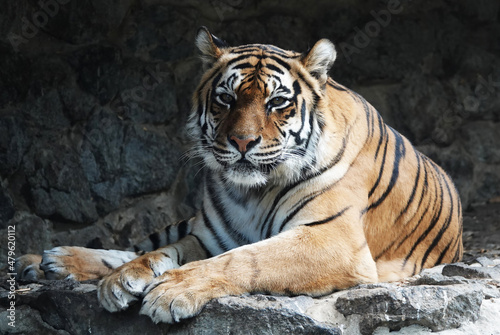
[309, 260]
[71, 263]
[128, 282]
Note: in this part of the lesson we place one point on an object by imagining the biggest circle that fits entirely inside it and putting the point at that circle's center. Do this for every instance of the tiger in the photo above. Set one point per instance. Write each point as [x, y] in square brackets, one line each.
[306, 191]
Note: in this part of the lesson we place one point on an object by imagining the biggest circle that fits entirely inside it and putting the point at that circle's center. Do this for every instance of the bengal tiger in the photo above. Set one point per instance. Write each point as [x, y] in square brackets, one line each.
[306, 191]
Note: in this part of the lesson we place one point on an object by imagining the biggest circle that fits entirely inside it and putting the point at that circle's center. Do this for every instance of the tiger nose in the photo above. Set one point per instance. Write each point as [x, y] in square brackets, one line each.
[243, 144]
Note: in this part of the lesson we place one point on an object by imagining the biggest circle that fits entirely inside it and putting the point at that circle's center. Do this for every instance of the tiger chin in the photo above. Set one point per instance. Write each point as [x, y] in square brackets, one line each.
[306, 191]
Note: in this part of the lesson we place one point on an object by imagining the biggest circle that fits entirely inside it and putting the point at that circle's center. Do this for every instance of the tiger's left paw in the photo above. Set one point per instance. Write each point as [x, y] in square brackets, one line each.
[181, 296]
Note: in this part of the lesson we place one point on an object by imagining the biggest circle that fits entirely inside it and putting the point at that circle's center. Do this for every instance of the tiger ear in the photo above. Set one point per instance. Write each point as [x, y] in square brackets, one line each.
[319, 60]
[209, 45]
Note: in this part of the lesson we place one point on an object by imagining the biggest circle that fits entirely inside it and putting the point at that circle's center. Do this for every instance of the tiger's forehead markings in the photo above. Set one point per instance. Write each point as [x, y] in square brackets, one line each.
[259, 66]
[262, 51]
[270, 49]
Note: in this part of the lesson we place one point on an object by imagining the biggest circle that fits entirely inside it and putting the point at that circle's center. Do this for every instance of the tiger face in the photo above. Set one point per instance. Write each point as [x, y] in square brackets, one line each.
[255, 123]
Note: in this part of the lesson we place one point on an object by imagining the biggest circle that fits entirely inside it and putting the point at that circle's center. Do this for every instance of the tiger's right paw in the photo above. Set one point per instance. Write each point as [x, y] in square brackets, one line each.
[127, 283]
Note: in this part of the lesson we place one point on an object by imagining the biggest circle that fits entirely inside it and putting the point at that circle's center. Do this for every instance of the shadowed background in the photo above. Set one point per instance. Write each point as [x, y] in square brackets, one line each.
[94, 95]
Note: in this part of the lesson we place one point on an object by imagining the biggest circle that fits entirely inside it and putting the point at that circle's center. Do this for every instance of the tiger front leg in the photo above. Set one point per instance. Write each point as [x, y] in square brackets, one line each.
[67, 262]
[306, 260]
[127, 283]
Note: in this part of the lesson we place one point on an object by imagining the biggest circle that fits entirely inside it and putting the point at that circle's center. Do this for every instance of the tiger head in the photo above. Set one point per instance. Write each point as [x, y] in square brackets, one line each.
[255, 116]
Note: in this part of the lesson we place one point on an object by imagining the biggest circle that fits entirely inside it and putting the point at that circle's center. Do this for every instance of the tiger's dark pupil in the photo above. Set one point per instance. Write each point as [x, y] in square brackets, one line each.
[226, 98]
[277, 101]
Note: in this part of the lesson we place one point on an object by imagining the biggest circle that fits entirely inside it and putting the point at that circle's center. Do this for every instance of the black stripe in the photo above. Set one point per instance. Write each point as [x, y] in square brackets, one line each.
[433, 222]
[442, 254]
[307, 169]
[106, 264]
[212, 75]
[458, 251]
[311, 127]
[382, 134]
[296, 89]
[328, 219]
[443, 229]
[303, 203]
[221, 212]
[221, 151]
[280, 62]
[244, 56]
[372, 120]
[284, 191]
[202, 245]
[167, 234]
[296, 135]
[204, 127]
[377, 182]
[427, 206]
[268, 49]
[210, 227]
[249, 49]
[269, 153]
[336, 85]
[369, 124]
[299, 206]
[182, 229]
[275, 50]
[399, 153]
[279, 129]
[155, 239]
[308, 84]
[280, 195]
[424, 191]
[229, 82]
[215, 82]
[243, 66]
[200, 105]
[414, 190]
[274, 68]
[366, 108]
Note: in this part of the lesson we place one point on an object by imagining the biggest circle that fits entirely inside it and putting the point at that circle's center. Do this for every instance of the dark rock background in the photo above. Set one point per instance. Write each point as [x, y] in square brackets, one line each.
[94, 95]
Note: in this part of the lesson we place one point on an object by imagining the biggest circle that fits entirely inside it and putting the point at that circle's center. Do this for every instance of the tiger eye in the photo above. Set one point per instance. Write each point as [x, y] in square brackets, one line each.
[278, 101]
[226, 98]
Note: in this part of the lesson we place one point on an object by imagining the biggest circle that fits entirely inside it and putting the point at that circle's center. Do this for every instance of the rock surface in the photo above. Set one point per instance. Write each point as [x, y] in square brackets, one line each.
[94, 96]
[461, 299]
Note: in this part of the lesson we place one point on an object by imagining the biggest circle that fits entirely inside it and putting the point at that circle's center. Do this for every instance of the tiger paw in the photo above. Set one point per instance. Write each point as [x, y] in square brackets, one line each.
[181, 294]
[127, 283]
[77, 263]
[27, 268]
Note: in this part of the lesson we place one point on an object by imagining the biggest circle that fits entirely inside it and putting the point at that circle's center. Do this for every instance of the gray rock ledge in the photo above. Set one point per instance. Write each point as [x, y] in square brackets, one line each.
[457, 298]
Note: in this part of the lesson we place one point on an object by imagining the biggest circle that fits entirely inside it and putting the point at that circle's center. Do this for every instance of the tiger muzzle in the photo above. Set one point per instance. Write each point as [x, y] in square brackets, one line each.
[243, 144]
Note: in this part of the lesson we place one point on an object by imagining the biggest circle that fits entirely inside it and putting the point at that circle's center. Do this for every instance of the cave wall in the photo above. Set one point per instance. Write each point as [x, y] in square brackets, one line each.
[94, 95]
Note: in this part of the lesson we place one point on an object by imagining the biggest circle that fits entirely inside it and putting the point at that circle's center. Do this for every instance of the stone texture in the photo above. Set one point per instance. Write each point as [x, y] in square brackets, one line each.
[434, 307]
[433, 301]
[59, 307]
[94, 96]
[465, 271]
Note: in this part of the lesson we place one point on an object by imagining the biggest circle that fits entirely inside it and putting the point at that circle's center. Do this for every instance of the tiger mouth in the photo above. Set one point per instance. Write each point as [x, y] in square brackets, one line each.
[243, 166]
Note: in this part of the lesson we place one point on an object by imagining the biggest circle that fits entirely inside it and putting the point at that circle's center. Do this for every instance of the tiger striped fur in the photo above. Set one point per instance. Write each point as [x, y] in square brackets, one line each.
[306, 191]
